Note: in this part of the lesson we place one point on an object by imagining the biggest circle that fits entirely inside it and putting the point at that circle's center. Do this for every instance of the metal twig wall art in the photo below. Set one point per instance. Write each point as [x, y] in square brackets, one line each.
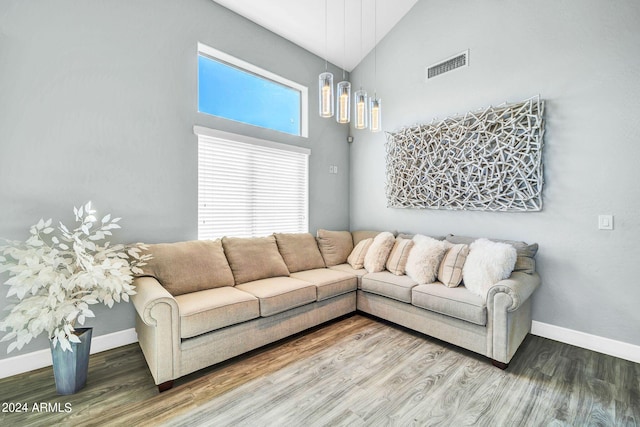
[489, 160]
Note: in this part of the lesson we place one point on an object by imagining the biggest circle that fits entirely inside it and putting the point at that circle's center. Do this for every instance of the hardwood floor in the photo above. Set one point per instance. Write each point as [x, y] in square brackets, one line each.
[357, 371]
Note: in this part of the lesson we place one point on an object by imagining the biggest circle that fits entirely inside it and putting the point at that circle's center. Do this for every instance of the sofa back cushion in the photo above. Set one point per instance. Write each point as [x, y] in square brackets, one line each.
[360, 235]
[254, 258]
[299, 251]
[186, 267]
[335, 246]
[526, 253]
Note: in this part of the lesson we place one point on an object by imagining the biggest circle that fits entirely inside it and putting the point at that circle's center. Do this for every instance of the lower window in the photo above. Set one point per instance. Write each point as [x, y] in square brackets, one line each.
[249, 187]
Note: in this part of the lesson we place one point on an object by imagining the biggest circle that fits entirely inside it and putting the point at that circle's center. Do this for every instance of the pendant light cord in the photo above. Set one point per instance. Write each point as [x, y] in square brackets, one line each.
[344, 38]
[361, 14]
[375, 48]
[326, 33]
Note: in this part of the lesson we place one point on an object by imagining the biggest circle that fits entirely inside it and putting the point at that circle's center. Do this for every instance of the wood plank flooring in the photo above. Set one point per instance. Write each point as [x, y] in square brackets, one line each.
[357, 371]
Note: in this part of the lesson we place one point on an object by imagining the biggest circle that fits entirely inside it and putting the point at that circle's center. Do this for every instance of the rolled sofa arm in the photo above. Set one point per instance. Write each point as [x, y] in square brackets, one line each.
[158, 328]
[519, 287]
[149, 293]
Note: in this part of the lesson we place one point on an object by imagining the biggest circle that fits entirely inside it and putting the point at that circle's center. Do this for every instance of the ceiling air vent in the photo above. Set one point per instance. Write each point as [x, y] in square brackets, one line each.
[457, 61]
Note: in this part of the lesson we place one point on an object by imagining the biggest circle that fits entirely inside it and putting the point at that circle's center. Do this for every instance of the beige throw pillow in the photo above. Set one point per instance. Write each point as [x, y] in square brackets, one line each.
[356, 258]
[378, 252]
[398, 257]
[450, 270]
[254, 258]
[424, 258]
[185, 267]
[335, 246]
[299, 251]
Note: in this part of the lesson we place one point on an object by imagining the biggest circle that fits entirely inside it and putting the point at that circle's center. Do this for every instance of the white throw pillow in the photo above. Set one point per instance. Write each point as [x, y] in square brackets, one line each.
[424, 258]
[378, 252]
[487, 263]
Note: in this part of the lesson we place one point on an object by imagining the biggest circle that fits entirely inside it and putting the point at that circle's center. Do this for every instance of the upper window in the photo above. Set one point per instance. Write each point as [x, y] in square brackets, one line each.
[236, 90]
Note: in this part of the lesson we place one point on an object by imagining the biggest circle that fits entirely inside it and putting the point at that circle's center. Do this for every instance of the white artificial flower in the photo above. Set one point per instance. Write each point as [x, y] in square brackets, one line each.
[56, 277]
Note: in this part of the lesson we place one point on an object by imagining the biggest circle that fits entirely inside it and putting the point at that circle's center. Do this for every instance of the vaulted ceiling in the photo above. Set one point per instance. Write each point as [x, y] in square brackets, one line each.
[350, 30]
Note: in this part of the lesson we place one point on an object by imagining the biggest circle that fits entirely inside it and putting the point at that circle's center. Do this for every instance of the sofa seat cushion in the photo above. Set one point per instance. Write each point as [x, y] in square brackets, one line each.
[278, 294]
[206, 311]
[389, 285]
[329, 283]
[348, 269]
[455, 302]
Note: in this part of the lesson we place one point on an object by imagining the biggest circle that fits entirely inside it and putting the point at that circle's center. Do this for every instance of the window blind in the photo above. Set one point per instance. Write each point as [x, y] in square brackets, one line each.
[249, 187]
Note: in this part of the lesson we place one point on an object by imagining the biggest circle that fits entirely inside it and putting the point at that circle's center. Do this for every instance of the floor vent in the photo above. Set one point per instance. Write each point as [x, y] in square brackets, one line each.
[460, 60]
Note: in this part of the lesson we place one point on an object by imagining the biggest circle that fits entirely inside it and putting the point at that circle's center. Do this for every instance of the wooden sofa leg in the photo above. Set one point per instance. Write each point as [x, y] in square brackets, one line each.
[165, 386]
[500, 365]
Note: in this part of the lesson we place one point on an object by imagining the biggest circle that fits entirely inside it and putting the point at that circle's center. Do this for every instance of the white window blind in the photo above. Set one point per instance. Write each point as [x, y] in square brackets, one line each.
[249, 187]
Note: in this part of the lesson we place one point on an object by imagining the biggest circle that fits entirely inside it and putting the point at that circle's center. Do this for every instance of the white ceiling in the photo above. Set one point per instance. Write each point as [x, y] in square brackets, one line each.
[303, 23]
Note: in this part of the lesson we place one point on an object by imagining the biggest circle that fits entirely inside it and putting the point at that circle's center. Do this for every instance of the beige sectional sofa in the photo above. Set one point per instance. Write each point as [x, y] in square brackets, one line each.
[203, 302]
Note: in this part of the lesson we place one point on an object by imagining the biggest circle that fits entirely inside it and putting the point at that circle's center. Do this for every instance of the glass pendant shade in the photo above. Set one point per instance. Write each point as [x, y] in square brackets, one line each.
[361, 109]
[343, 101]
[325, 94]
[375, 114]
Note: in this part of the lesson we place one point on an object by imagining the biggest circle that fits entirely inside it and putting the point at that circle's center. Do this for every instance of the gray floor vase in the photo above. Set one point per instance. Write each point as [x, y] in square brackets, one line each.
[70, 367]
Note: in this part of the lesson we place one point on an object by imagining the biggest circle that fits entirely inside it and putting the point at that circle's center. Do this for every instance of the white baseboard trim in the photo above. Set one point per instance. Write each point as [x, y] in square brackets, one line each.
[603, 345]
[42, 358]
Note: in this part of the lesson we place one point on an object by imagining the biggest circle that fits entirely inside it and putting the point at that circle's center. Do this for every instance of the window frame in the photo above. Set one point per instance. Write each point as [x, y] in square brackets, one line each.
[232, 61]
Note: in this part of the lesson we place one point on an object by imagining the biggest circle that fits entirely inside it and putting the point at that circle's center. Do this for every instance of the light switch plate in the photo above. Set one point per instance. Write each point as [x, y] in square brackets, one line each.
[605, 222]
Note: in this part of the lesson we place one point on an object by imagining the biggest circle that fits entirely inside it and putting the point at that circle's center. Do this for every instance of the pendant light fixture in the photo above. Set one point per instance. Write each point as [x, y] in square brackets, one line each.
[343, 100]
[375, 105]
[361, 108]
[360, 98]
[375, 111]
[325, 80]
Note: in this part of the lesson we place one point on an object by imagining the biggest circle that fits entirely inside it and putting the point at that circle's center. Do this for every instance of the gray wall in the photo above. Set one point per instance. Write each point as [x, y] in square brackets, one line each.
[582, 58]
[98, 102]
